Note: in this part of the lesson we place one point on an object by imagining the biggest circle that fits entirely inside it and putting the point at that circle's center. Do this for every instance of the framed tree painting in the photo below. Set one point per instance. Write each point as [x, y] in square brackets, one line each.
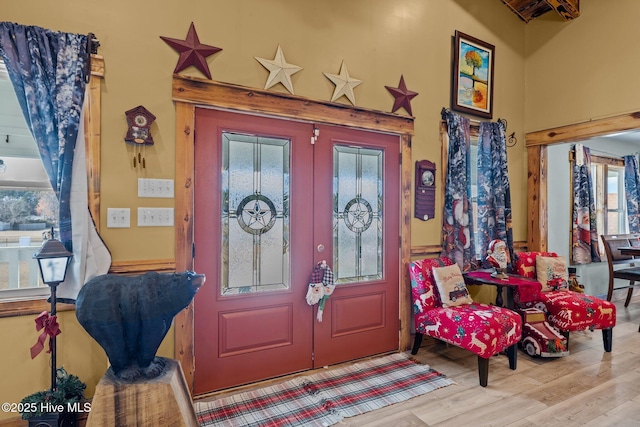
[472, 89]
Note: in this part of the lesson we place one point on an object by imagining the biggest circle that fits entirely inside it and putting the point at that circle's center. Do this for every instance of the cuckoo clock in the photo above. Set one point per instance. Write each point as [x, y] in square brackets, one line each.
[425, 190]
[139, 120]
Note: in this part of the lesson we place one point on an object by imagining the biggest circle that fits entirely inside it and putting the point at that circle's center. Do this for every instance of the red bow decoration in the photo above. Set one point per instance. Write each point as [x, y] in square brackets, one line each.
[51, 328]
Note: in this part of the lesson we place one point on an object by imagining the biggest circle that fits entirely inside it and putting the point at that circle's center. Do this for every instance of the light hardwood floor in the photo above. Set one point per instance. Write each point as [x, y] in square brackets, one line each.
[587, 388]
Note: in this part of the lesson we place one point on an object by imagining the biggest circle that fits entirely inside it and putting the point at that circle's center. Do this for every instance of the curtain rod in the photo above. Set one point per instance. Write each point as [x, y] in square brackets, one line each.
[474, 121]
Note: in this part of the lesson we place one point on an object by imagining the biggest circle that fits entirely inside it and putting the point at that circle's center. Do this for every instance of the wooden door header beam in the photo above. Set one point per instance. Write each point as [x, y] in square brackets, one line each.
[258, 101]
[582, 131]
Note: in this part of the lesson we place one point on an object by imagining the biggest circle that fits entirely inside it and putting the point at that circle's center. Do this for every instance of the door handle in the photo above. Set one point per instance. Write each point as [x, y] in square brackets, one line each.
[320, 247]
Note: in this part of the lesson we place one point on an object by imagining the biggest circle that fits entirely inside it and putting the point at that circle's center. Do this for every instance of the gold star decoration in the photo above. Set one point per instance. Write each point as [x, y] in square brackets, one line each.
[403, 96]
[192, 52]
[279, 70]
[344, 84]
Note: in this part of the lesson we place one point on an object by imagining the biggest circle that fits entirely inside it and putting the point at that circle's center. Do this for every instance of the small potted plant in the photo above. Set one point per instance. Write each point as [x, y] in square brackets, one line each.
[57, 407]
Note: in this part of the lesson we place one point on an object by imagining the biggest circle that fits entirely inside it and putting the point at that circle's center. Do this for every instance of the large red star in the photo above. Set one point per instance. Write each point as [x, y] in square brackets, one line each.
[192, 52]
[402, 95]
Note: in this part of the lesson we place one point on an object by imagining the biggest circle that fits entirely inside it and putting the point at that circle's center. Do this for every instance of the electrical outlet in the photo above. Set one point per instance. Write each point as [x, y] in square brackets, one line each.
[161, 188]
[155, 217]
[118, 218]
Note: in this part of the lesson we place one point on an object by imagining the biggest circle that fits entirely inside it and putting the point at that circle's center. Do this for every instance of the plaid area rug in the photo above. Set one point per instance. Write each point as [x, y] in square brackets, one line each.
[325, 398]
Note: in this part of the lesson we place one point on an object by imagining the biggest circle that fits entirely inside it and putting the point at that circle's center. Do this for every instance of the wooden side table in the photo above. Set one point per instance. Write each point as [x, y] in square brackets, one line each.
[528, 289]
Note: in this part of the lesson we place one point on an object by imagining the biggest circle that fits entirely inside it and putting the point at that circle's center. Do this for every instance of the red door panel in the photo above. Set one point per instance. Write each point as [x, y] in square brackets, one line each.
[247, 337]
[370, 309]
[361, 317]
[252, 339]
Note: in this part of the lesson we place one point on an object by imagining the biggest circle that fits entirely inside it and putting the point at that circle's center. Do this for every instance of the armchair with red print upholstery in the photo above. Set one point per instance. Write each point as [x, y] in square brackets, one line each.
[483, 329]
[565, 309]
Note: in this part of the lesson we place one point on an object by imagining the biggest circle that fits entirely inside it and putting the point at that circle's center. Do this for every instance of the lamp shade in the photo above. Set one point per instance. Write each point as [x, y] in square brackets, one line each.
[53, 260]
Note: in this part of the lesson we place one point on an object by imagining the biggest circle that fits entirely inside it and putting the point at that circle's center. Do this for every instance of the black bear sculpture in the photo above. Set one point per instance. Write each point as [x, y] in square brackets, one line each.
[129, 316]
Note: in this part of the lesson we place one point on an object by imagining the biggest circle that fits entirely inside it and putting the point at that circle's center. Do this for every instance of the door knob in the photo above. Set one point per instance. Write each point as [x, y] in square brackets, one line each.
[321, 248]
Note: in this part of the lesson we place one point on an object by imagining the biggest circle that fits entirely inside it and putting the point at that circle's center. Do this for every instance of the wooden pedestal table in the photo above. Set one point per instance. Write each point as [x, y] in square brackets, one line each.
[161, 401]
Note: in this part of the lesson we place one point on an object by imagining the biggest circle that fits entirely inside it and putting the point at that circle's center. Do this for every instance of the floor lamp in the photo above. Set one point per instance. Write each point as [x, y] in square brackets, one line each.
[53, 260]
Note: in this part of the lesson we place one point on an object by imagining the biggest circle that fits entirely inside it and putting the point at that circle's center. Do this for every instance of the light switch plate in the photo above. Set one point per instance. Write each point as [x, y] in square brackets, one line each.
[155, 217]
[118, 218]
[160, 188]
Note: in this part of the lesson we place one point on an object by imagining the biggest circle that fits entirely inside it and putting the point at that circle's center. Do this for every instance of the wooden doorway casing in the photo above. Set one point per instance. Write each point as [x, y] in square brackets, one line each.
[189, 92]
[536, 143]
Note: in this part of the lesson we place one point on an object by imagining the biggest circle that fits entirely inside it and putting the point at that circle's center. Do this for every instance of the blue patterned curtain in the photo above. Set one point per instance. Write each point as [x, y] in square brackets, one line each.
[632, 192]
[584, 233]
[457, 227]
[48, 70]
[494, 191]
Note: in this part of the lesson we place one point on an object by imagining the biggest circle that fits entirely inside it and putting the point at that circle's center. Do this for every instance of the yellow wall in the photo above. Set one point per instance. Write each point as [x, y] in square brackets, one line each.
[77, 352]
[379, 40]
[21, 375]
[585, 69]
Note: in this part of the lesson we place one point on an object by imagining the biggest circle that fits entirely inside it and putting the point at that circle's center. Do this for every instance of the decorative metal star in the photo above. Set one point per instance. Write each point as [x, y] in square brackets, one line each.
[279, 70]
[402, 95]
[344, 84]
[192, 52]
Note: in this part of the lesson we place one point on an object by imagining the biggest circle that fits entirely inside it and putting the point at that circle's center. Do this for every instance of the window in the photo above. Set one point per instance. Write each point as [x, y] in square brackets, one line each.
[32, 184]
[615, 219]
[28, 205]
[473, 159]
[607, 175]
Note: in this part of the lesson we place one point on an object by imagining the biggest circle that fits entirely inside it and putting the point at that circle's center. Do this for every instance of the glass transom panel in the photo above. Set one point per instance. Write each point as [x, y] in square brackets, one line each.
[255, 214]
[357, 214]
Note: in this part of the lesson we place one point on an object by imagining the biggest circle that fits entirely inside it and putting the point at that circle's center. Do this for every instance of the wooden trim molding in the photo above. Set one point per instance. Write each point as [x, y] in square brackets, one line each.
[189, 92]
[406, 172]
[193, 90]
[581, 131]
[30, 307]
[143, 266]
[434, 251]
[536, 143]
[92, 123]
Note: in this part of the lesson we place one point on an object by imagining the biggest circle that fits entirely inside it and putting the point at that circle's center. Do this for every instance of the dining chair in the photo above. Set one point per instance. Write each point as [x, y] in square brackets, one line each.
[621, 266]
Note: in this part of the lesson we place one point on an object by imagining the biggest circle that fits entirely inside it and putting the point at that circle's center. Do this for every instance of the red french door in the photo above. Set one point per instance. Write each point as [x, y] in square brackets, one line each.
[357, 192]
[269, 205]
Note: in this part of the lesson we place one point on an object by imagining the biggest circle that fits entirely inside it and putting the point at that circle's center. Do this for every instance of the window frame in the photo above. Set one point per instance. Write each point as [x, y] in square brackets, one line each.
[34, 305]
[621, 209]
[601, 165]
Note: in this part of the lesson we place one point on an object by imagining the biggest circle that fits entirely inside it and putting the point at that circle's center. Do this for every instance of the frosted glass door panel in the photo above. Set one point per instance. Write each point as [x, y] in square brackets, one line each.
[357, 214]
[255, 214]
